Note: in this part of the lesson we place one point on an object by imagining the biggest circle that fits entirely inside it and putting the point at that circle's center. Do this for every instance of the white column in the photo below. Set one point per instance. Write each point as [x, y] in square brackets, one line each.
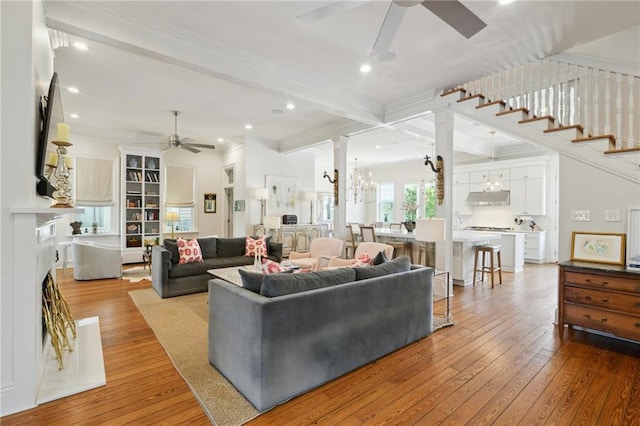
[444, 121]
[340, 163]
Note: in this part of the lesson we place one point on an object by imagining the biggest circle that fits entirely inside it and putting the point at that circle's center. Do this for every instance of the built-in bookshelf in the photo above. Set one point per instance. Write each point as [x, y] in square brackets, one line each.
[141, 201]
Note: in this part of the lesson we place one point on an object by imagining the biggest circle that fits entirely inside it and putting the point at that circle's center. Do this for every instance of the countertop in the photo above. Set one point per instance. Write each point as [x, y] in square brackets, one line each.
[468, 236]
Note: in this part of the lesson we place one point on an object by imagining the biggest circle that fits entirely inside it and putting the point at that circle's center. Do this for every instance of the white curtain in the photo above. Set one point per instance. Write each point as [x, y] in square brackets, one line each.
[94, 182]
[179, 187]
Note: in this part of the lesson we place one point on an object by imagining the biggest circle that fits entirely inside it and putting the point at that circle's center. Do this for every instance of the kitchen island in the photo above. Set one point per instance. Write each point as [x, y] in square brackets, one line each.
[463, 253]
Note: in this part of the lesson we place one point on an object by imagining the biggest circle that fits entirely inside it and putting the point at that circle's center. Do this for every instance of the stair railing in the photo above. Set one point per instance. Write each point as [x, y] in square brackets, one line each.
[601, 101]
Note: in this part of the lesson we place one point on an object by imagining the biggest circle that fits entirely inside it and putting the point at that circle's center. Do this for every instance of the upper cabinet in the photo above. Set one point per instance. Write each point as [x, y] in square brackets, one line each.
[460, 189]
[528, 194]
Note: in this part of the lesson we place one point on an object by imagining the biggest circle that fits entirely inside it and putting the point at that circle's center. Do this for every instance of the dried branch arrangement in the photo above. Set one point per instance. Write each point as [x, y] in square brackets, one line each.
[57, 318]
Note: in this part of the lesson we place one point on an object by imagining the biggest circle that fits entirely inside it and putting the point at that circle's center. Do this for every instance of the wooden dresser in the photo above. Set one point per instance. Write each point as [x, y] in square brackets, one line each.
[599, 297]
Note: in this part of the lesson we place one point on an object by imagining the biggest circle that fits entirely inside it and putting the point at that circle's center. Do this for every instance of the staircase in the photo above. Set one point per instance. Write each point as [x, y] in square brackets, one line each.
[584, 113]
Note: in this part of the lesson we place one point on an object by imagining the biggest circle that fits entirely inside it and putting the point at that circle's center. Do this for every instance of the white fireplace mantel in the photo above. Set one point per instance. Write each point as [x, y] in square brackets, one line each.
[33, 231]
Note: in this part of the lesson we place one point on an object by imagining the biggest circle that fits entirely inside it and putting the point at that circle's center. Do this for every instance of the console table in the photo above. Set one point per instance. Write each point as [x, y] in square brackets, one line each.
[599, 297]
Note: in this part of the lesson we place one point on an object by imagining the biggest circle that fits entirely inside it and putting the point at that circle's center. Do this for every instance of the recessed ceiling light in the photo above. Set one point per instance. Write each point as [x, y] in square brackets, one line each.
[377, 146]
[505, 1]
[73, 89]
[74, 116]
[248, 126]
[365, 68]
[220, 140]
[291, 106]
[80, 45]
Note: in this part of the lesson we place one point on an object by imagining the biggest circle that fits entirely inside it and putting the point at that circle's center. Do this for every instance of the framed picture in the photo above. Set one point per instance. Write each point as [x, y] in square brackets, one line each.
[238, 206]
[210, 203]
[598, 247]
[283, 195]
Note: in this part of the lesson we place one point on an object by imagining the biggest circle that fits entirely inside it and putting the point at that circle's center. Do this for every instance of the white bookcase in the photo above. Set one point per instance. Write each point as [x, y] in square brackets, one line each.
[141, 203]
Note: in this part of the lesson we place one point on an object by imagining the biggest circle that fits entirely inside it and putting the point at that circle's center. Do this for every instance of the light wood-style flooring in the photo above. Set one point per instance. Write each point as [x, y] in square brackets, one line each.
[501, 363]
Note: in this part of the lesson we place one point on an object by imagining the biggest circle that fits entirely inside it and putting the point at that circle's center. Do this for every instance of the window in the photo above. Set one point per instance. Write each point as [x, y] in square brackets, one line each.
[429, 199]
[325, 207]
[185, 221]
[99, 215]
[410, 202]
[385, 202]
[179, 197]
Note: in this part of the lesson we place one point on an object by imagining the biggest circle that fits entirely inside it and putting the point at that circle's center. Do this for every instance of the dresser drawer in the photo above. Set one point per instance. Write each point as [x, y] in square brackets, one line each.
[609, 300]
[602, 281]
[621, 325]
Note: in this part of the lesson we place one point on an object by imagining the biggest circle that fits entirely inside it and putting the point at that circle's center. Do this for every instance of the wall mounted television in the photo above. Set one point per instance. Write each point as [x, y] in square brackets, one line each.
[51, 113]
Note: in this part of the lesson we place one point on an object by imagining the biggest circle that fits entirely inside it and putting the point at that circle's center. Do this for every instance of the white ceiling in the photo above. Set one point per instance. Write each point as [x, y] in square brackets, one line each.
[227, 63]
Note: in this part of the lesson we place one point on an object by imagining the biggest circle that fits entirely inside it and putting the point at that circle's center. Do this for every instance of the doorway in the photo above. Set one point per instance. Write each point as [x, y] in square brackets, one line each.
[228, 212]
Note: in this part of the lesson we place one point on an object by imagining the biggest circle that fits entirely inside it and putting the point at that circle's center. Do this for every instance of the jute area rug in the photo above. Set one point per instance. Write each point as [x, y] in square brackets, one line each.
[181, 326]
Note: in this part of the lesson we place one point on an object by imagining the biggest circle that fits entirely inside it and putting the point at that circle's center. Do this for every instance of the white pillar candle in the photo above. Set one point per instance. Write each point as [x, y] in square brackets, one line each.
[63, 132]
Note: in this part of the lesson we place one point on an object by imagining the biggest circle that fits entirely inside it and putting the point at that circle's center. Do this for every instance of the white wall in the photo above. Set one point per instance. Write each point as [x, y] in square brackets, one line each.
[262, 161]
[26, 69]
[583, 187]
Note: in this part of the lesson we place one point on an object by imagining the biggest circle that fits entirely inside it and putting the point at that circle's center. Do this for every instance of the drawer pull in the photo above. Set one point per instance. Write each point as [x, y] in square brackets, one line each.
[604, 283]
[637, 325]
[604, 319]
[637, 304]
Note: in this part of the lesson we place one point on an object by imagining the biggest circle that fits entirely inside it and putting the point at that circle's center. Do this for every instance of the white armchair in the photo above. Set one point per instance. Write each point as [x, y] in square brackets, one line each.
[372, 249]
[92, 261]
[325, 248]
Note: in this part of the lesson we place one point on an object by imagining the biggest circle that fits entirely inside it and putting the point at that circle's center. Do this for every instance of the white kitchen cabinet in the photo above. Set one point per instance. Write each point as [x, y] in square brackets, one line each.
[459, 199]
[528, 195]
[512, 251]
[535, 246]
[460, 178]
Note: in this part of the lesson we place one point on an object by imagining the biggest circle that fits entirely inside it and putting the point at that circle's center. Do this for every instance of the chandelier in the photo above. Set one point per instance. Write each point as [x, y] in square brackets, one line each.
[361, 190]
[492, 181]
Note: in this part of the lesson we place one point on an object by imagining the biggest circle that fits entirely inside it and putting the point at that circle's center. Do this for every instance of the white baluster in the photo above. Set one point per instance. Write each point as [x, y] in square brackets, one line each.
[618, 130]
[506, 89]
[596, 102]
[565, 102]
[607, 102]
[530, 91]
[556, 94]
[577, 97]
[632, 118]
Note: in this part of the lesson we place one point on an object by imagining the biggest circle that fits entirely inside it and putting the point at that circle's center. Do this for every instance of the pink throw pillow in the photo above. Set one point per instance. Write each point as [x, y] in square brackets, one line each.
[252, 244]
[189, 251]
[271, 267]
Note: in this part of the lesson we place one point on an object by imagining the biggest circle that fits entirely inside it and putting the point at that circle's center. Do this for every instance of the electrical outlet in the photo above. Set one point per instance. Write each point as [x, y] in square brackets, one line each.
[580, 215]
[612, 215]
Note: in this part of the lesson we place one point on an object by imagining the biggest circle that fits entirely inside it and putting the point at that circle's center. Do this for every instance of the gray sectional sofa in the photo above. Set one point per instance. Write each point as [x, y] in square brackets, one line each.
[169, 278]
[315, 327]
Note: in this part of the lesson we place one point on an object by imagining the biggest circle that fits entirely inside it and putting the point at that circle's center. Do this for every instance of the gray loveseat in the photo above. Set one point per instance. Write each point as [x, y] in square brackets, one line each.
[274, 348]
[169, 278]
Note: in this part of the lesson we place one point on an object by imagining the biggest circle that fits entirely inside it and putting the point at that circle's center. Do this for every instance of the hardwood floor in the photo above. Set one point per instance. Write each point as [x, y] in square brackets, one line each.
[502, 363]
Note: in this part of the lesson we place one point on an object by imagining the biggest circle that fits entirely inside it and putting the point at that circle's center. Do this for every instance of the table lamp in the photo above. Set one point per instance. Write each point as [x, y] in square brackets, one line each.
[172, 217]
[272, 222]
[430, 230]
[261, 194]
[310, 196]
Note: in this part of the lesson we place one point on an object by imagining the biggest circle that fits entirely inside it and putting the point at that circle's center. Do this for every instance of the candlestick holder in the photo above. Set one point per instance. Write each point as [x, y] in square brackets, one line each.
[62, 194]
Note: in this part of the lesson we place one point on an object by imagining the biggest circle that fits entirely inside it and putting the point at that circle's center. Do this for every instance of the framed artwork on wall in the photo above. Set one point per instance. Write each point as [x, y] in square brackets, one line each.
[210, 203]
[283, 195]
[598, 247]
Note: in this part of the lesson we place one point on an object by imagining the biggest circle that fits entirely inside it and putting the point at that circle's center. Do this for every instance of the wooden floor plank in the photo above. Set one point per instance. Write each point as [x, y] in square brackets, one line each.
[503, 362]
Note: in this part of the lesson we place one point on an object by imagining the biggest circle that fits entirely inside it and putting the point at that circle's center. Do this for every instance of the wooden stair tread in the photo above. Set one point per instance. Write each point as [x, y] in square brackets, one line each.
[492, 103]
[510, 111]
[557, 129]
[623, 150]
[468, 98]
[451, 91]
[544, 117]
[590, 138]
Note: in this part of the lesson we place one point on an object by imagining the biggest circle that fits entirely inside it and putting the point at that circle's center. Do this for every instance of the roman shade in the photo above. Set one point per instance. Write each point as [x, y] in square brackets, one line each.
[179, 187]
[94, 182]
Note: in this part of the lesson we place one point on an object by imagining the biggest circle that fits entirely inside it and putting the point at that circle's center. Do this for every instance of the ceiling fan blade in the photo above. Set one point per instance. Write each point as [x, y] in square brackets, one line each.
[202, 145]
[389, 28]
[188, 148]
[456, 15]
[328, 10]
[186, 140]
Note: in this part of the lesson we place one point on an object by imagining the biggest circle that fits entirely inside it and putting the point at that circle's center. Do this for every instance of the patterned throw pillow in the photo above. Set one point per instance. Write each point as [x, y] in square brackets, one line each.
[363, 260]
[189, 251]
[253, 244]
[271, 267]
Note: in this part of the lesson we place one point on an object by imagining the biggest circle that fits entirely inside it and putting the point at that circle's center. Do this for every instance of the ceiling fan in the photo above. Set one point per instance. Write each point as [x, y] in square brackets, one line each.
[453, 12]
[176, 141]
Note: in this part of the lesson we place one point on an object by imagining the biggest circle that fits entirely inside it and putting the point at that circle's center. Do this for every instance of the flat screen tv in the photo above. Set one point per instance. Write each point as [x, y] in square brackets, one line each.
[51, 114]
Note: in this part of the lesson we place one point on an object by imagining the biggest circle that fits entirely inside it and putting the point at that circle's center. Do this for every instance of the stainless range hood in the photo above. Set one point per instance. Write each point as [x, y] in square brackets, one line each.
[488, 198]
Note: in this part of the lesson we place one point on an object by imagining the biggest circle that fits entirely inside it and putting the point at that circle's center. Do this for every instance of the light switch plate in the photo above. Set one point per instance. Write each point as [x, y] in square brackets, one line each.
[612, 216]
[580, 215]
